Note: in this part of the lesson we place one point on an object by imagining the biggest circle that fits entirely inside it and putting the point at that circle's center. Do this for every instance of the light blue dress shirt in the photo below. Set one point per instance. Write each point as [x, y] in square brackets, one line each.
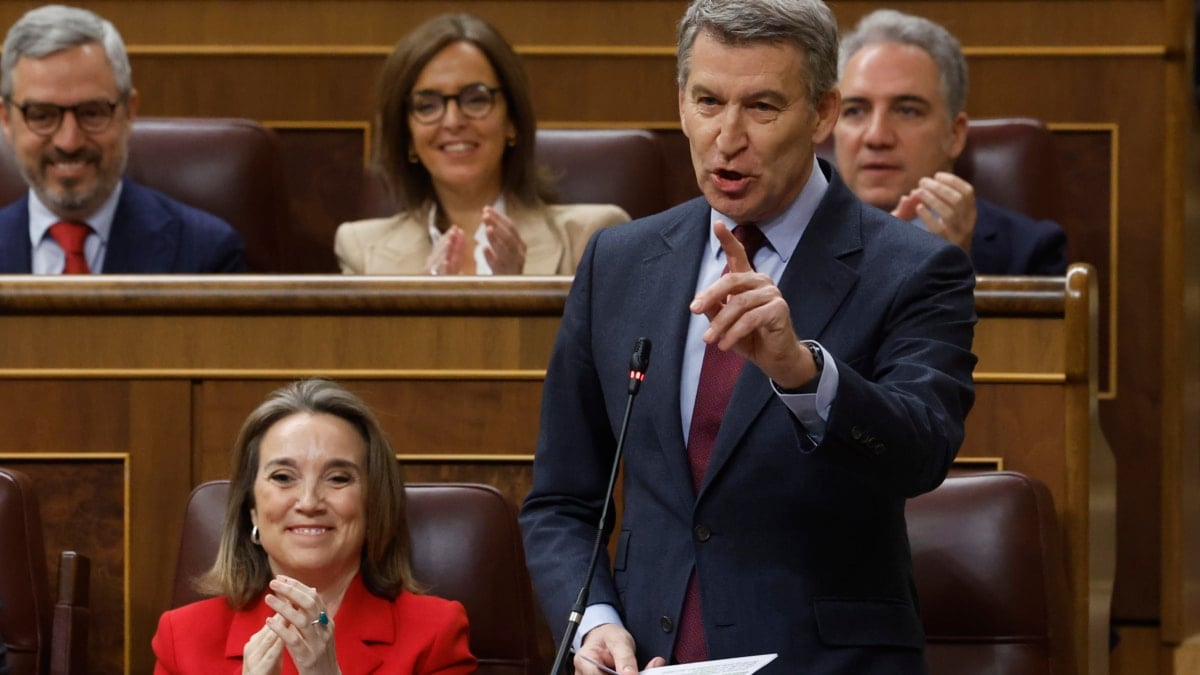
[48, 256]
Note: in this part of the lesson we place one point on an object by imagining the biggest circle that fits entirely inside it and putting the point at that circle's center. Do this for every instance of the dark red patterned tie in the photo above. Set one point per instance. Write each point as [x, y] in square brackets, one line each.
[70, 236]
[718, 374]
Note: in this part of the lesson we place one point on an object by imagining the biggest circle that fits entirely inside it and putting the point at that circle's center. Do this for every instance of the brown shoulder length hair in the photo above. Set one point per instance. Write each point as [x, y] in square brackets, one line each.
[242, 571]
[411, 181]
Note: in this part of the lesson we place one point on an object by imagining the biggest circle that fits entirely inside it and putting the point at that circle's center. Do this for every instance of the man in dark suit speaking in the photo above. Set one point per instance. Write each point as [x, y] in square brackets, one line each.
[68, 110]
[792, 405]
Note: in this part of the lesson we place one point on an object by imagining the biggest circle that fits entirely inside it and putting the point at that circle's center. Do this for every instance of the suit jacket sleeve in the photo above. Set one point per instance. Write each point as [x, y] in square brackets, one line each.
[228, 253]
[450, 653]
[164, 646]
[897, 419]
[1048, 254]
[558, 517]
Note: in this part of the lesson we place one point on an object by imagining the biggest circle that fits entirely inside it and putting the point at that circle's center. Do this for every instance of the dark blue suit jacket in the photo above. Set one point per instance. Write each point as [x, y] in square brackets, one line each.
[151, 234]
[801, 550]
[1007, 242]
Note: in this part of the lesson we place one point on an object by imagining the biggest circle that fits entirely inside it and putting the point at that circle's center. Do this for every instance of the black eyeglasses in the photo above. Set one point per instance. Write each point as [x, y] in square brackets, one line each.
[474, 101]
[44, 119]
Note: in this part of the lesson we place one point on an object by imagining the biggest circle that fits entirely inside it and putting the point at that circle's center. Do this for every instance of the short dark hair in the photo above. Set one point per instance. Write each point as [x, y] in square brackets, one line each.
[411, 181]
[242, 570]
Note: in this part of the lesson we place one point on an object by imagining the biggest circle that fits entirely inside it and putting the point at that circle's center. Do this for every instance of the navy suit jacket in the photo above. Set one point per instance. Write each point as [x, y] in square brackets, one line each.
[1007, 242]
[151, 234]
[800, 550]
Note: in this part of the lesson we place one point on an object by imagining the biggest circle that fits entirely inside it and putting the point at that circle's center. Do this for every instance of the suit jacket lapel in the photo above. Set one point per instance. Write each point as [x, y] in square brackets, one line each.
[815, 283]
[144, 236]
[16, 253]
[666, 286]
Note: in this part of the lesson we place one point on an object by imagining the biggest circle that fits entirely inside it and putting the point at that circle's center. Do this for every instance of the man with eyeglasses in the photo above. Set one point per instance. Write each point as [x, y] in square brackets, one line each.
[68, 111]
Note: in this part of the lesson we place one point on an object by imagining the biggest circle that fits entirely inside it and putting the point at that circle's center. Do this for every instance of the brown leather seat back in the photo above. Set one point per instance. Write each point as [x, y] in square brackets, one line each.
[991, 577]
[466, 547]
[588, 166]
[25, 609]
[1014, 162]
[605, 166]
[232, 168]
[1010, 161]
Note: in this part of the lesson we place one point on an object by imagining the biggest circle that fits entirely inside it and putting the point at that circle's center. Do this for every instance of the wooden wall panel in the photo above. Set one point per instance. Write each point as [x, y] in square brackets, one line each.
[83, 510]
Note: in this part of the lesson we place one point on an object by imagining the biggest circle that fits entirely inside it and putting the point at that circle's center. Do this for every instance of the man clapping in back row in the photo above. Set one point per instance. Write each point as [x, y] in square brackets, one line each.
[902, 125]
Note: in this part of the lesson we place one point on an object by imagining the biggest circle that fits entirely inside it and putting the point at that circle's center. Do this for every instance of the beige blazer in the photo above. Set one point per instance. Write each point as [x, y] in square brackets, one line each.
[554, 237]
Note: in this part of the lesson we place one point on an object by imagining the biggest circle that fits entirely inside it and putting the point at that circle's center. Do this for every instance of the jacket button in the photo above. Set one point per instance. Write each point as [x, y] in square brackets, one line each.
[702, 533]
[666, 624]
[856, 433]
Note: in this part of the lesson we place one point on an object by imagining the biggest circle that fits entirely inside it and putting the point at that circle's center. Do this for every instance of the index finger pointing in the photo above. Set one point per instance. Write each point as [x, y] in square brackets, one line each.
[735, 253]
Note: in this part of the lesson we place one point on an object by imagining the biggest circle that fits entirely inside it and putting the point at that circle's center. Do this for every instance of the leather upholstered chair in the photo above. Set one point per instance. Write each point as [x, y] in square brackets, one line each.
[1010, 161]
[588, 166]
[1014, 163]
[605, 166]
[42, 639]
[466, 547]
[232, 168]
[991, 577]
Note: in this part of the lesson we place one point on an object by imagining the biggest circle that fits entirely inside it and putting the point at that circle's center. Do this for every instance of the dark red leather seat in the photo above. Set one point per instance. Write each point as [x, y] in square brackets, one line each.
[991, 577]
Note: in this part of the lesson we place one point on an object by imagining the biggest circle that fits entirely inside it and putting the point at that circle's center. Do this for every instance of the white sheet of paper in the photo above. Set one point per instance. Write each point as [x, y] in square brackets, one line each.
[739, 666]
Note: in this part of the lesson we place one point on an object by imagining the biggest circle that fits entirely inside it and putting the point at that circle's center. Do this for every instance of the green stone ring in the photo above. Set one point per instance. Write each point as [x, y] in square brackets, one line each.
[322, 619]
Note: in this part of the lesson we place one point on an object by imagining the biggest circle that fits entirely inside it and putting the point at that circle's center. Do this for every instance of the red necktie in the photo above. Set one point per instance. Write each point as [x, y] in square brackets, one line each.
[70, 236]
[718, 374]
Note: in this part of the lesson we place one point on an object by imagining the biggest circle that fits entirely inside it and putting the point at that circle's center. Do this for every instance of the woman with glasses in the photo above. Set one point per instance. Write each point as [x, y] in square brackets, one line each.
[457, 146]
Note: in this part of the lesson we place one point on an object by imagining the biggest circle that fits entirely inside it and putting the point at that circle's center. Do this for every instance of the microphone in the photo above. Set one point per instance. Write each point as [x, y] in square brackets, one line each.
[638, 363]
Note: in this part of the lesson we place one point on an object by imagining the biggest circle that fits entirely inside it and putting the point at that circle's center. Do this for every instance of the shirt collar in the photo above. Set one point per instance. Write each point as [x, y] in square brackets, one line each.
[101, 221]
[783, 231]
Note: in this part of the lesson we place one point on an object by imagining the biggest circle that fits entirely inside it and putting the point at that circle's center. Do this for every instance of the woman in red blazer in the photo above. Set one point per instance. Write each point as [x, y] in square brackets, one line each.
[314, 572]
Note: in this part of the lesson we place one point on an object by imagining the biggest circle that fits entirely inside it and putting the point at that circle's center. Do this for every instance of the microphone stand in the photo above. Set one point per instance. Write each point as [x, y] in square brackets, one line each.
[637, 372]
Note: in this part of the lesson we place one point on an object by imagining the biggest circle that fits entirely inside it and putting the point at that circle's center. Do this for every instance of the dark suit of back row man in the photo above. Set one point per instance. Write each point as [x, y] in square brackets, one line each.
[791, 406]
[69, 105]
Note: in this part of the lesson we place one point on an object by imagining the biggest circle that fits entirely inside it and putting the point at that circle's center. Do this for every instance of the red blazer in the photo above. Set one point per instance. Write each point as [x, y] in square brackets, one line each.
[415, 634]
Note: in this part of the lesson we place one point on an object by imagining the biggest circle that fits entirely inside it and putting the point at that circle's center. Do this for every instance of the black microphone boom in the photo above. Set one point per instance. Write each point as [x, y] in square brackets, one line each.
[638, 363]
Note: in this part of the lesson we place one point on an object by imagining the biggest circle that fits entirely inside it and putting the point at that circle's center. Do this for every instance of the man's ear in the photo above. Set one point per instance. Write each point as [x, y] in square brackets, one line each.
[6, 120]
[958, 136]
[827, 109]
[682, 117]
[131, 103]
